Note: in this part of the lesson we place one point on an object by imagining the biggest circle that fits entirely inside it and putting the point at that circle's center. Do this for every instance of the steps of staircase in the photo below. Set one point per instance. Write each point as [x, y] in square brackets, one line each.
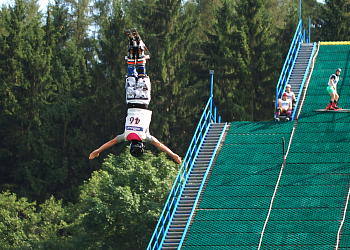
[191, 189]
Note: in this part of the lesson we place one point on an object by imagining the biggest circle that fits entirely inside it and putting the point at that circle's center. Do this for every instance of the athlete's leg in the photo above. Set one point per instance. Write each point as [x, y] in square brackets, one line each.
[141, 59]
[141, 66]
[336, 98]
[289, 115]
[131, 58]
[332, 94]
[278, 113]
[131, 68]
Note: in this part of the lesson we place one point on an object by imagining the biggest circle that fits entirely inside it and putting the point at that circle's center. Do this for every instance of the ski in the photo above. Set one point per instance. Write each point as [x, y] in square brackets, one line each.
[138, 38]
[135, 41]
[132, 44]
[129, 34]
[336, 110]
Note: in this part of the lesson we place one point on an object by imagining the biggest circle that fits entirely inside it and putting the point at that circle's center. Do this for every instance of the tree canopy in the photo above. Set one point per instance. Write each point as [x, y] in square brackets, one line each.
[62, 77]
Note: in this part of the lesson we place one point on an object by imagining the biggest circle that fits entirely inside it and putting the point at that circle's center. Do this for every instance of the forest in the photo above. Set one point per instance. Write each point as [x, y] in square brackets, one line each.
[62, 77]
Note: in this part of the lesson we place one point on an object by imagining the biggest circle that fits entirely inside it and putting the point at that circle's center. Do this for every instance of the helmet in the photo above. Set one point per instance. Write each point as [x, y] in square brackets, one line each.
[288, 86]
[285, 94]
[136, 148]
[338, 69]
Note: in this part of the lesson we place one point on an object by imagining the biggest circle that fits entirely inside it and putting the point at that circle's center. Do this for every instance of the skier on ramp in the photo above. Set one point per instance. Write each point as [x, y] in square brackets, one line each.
[332, 90]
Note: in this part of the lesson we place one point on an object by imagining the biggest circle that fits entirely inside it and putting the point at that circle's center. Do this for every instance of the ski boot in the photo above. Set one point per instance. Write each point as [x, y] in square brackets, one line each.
[141, 47]
[330, 106]
[132, 54]
[141, 57]
[335, 106]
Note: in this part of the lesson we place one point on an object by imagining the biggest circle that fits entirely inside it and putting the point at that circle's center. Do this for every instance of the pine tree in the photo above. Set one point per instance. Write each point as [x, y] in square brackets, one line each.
[23, 80]
[242, 49]
[46, 105]
[206, 14]
[333, 24]
[3, 16]
[65, 134]
[80, 19]
[221, 57]
[58, 28]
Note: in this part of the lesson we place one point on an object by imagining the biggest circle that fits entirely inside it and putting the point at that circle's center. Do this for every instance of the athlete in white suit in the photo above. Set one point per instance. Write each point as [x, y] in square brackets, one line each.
[138, 97]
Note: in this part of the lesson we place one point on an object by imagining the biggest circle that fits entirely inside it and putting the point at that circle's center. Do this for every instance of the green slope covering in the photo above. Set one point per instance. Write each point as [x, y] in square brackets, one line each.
[310, 199]
[237, 197]
[311, 196]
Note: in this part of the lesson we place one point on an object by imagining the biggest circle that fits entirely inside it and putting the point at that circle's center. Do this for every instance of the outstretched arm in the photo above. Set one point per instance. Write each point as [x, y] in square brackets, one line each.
[165, 149]
[109, 144]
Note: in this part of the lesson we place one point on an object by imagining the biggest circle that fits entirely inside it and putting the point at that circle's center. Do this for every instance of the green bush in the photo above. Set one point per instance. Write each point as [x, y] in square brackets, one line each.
[119, 206]
[121, 203]
[23, 226]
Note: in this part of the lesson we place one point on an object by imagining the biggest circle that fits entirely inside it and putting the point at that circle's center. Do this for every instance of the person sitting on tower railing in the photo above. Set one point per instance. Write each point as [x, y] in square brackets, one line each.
[284, 108]
[291, 95]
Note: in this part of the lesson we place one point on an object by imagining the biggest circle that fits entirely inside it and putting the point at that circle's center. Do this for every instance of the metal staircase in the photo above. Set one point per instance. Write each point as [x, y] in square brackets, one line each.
[192, 188]
[305, 87]
[299, 69]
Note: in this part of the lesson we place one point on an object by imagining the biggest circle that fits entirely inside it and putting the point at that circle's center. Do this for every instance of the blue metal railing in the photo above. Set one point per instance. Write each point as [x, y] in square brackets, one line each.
[304, 79]
[210, 115]
[299, 38]
[201, 187]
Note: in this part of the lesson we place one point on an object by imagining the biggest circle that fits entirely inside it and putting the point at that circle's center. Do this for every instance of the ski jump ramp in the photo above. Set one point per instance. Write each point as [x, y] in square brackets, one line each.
[258, 194]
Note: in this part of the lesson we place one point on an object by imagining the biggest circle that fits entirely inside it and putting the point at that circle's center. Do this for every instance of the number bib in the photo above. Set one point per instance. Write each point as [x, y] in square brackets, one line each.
[137, 123]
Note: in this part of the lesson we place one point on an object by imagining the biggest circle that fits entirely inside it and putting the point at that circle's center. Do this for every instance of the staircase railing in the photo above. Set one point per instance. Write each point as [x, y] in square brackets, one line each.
[300, 37]
[201, 187]
[210, 115]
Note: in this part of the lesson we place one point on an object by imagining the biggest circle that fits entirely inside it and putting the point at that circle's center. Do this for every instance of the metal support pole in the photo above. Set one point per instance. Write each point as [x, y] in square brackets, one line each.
[299, 10]
[309, 29]
[211, 72]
